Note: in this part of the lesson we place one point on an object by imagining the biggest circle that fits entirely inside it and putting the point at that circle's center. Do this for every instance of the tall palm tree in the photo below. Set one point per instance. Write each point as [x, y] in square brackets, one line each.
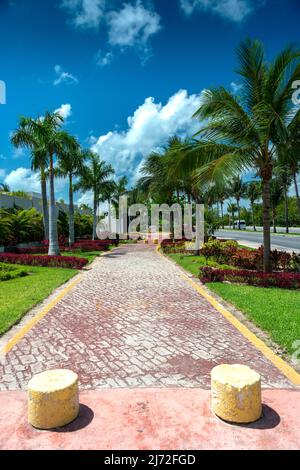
[92, 177]
[253, 193]
[71, 161]
[243, 132]
[238, 190]
[232, 208]
[120, 189]
[289, 154]
[276, 196]
[108, 191]
[27, 136]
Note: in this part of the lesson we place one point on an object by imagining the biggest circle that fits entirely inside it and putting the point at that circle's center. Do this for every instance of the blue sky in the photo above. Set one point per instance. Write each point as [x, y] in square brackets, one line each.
[124, 74]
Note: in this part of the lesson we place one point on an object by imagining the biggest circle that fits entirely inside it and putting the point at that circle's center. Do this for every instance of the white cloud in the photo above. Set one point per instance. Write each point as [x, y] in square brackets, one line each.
[86, 198]
[148, 130]
[234, 10]
[23, 179]
[65, 111]
[18, 152]
[132, 26]
[2, 172]
[63, 77]
[86, 14]
[104, 59]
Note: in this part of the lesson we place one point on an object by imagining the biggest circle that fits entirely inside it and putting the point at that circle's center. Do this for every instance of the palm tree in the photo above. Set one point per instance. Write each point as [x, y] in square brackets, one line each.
[276, 195]
[289, 154]
[119, 190]
[92, 178]
[27, 136]
[238, 189]
[4, 188]
[243, 132]
[253, 193]
[232, 208]
[108, 191]
[70, 164]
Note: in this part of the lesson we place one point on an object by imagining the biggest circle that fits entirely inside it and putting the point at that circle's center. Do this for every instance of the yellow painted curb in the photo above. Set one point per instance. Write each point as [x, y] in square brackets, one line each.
[278, 362]
[283, 366]
[22, 332]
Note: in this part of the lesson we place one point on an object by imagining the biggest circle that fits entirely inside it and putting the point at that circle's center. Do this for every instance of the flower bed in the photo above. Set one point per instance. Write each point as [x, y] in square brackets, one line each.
[8, 272]
[229, 252]
[252, 278]
[81, 245]
[173, 246]
[72, 262]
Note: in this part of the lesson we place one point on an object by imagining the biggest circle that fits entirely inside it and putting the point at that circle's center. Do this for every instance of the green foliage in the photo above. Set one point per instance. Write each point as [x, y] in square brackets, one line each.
[83, 224]
[8, 272]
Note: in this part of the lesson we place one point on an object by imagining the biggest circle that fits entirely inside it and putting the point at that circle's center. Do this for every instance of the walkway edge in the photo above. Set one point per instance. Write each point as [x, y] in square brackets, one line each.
[283, 366]
[28, 326]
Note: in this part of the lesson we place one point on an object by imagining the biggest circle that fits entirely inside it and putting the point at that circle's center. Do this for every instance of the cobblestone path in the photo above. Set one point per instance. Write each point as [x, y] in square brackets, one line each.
[133, 321]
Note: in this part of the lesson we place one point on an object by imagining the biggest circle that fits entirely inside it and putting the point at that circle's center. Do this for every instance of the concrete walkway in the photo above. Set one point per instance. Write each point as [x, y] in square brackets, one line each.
[134, 321]
[148, 419]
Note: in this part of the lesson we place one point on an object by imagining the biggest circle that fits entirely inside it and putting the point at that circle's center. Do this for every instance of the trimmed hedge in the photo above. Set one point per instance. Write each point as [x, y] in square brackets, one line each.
[71, 262]
[252, 278]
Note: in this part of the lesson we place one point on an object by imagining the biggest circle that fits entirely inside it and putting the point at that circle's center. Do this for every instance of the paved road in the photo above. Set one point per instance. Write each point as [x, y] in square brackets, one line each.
[133, 321]
[279, 242]
[279, 229]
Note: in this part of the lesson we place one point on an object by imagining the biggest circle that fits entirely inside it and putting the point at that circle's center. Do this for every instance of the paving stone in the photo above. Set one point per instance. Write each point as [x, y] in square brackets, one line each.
[133, 321]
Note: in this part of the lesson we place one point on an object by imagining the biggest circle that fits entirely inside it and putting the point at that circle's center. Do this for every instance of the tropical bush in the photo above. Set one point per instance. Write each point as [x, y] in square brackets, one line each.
[252, 278]
[8, 272]
[20, 226]
[71, 262]
[229, 253]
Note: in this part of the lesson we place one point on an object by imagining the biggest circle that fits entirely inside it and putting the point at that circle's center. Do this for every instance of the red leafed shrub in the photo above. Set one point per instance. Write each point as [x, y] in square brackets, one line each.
[252, 278]
[33, 250]
[72, 262]
[229, 253]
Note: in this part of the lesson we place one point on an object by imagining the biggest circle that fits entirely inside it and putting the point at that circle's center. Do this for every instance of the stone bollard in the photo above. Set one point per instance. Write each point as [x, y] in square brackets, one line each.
[236, 393]
[53, 399]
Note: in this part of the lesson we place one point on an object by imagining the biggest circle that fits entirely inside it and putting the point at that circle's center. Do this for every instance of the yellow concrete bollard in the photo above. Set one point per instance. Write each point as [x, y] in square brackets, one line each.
[236, 393]
[53, 399]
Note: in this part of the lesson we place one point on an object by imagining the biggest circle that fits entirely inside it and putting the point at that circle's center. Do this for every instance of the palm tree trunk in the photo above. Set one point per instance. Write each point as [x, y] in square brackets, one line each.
[274, 220]
[53, 237]
[239, 213]
[109, 216]
[297, 191]
[286, 210]
[95, 215]
[71, 212]
[266, 225]
[222, 214]
[253, 220]
[45, 204]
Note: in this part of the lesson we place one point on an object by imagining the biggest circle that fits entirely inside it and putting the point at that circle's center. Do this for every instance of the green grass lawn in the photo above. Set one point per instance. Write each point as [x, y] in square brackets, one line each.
[275, 310]
[194, 263]
[18, 296]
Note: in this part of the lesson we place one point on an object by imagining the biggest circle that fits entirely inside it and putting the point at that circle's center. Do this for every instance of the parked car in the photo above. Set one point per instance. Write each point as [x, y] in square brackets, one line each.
[242, 226]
